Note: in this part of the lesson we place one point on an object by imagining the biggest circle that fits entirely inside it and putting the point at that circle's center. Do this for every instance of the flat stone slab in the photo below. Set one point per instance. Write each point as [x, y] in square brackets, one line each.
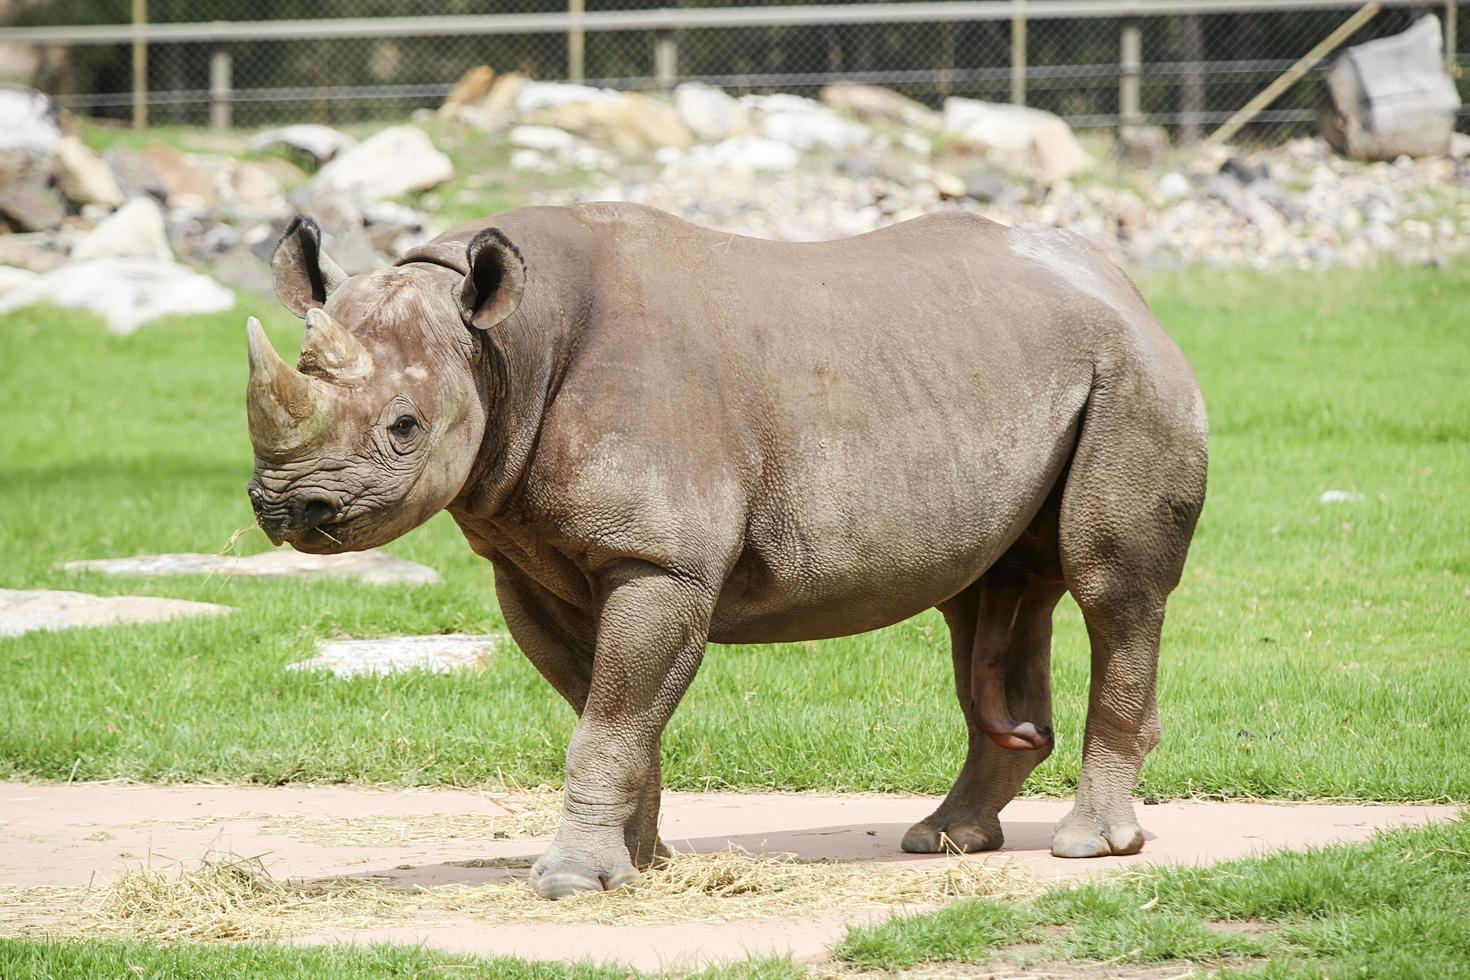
[438, 654]
[28, 610]
[368, 567]
[66, 835]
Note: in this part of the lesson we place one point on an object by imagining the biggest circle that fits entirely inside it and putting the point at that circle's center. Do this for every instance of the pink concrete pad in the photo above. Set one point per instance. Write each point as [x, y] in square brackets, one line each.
[64, 835]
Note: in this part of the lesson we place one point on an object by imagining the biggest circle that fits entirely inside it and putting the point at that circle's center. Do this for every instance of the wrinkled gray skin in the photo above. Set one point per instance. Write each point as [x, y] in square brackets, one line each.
[662, 436]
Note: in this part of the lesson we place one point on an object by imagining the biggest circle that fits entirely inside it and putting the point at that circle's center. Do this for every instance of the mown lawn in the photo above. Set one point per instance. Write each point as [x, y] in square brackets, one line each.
[1313, 650]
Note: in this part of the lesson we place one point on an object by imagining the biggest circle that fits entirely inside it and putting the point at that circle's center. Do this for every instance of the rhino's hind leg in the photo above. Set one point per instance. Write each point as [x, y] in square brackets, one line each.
[968, 819]
[1133, 494]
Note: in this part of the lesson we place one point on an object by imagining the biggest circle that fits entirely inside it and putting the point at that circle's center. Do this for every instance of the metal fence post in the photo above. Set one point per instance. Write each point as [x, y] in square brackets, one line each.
[1451, 42]
[665, 59]
[1018, 54]
[140, 67]
[1192, 85]
[576, 42]
[221, 87]
[1130, 67]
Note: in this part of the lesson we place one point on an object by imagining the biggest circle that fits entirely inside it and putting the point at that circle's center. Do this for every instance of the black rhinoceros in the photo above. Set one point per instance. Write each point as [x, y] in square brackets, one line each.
[662, 436]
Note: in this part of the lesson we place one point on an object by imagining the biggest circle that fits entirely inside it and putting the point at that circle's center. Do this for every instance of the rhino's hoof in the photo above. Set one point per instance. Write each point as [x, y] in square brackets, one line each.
[554, 884]
[933, 837]
[1081, 836]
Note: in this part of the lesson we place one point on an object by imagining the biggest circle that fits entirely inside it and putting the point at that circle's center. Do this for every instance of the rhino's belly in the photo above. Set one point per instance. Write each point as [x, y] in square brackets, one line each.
[834, 563]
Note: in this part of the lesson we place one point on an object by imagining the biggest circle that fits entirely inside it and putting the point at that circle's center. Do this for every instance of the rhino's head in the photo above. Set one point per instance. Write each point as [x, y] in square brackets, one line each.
[378, 426]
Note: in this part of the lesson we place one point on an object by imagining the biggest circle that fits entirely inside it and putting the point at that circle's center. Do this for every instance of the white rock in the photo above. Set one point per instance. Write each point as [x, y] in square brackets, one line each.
[1339, 497]
[322, 143]
[369, 567]
[710, 113]
[781, 102]
[592, 158]
[397, 160]
[134, 230]
[82, 176]
[745, 153]
[528, 160]
[25, 611]
[1037, 142]
[27, 121]
[547, 139]
[391, 655]
[544, 95]
[12, 277]
[809, 130]
[127, 293]
[1173, 186]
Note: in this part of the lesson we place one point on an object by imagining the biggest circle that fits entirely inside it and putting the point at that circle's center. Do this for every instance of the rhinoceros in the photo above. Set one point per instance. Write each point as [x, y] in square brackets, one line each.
[663, 436]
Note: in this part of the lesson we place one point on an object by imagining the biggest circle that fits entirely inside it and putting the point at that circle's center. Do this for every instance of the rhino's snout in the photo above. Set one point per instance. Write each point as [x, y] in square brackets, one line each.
[285, 517]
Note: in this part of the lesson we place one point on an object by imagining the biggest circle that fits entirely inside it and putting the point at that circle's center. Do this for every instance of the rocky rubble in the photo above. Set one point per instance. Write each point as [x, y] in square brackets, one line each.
[130, 233]
[127, 233]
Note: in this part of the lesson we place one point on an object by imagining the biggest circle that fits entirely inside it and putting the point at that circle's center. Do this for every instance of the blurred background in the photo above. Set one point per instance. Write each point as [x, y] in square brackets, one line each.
[1195, 63]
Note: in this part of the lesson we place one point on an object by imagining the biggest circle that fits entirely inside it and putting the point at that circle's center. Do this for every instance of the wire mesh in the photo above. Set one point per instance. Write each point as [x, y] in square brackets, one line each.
[1197, 70]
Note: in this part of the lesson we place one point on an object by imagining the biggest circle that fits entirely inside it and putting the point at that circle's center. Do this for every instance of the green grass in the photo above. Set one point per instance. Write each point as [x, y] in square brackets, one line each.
[64, 960]
[89, 959]
[1397, 907]
[1312, 650]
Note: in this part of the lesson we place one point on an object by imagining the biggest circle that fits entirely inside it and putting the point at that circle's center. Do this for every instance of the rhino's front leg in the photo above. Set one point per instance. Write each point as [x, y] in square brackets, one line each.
[564, 658]
[650, 640]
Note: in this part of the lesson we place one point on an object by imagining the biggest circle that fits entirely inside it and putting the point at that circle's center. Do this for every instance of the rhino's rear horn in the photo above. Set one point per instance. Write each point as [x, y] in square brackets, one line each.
[330, 351]
[304, 275]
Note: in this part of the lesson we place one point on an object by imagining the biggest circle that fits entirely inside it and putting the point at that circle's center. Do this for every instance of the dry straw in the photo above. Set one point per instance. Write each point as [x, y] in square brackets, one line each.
[234, 898]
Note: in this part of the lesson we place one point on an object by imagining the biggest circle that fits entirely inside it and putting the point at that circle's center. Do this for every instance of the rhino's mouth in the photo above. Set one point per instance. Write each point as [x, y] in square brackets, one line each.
[323, 539]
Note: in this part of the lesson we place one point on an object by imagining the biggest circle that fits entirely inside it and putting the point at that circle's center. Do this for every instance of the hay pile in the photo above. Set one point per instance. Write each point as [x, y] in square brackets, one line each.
[231, 898]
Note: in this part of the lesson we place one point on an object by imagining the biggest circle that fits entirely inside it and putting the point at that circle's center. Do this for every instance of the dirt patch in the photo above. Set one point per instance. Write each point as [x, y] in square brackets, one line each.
[758, 874]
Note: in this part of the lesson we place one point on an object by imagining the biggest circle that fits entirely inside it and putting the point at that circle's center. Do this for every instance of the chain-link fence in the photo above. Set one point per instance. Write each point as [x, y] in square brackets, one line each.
[1185, 69]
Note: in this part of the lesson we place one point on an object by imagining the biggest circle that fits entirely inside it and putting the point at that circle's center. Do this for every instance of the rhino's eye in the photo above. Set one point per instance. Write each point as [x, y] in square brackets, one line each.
[404, 426]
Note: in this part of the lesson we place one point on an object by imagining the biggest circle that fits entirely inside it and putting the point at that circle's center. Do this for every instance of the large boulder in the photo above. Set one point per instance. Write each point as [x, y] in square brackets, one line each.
[28, 122]
[874, 104]
[134, 173]
[1033, 142]
[1391, 97]
[320, 143]
[630, 124]
[33, 253]
[744, 154]
[127, 292]
[392, 162]
[809, 129]
[82, 176]
[187, 185]
[27, 200]
[135, 230]
[710, 113]
[533, 96]
[470, 90]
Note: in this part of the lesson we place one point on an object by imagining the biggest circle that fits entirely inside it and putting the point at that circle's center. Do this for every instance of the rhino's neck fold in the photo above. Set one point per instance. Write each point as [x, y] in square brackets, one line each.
[524, 359]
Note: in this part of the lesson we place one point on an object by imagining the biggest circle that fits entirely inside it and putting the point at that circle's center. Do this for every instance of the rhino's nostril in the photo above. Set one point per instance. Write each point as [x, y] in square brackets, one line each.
[315, 512]
[257, 503]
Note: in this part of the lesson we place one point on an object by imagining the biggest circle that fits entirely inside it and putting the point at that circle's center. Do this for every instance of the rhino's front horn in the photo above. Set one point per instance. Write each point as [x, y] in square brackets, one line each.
[331, 352]
[280, 399]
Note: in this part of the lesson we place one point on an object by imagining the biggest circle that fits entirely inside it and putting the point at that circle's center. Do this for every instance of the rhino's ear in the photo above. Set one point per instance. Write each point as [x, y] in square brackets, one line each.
[305, 277]
[496, 281]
